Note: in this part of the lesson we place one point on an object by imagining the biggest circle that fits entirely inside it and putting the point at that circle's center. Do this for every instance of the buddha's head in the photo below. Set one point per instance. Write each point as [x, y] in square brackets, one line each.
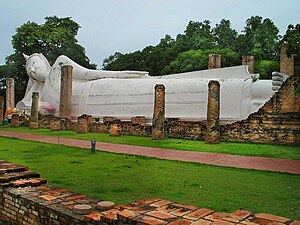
[37, 66]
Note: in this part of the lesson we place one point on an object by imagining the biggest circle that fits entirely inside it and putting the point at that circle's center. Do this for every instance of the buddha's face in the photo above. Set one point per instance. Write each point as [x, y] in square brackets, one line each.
[37, 67]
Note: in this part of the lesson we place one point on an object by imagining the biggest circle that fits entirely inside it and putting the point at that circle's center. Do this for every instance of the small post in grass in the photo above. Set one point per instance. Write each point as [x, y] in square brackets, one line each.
[93, 145]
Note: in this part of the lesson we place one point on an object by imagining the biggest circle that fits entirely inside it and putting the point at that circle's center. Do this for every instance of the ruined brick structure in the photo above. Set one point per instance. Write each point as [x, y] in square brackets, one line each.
[27, 199]
[278, 121]
[15, 120]
[1, 110]
[34, 114]
[286, 63]
[115, 129]
[55, 124]
[213, 113]
[82, 127]
[10, 95]
[66, 92]
[249, 61]
[158, 122]
[214, 61]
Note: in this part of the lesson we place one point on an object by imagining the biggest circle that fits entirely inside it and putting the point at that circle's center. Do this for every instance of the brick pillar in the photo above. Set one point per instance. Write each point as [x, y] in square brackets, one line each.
[82, 127]
[55, 124]
[1, 109]
[248, 60]
[213, 112]
[158, 122]
[115, 129]
[15, 120]
[34, 114]
[286, 63]
[10, 95]
[66, 92]
[214, 61]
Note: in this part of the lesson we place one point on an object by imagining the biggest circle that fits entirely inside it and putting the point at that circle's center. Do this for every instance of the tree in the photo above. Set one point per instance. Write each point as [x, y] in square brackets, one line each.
[224, 35]
[53, 38]
[291, 40]
[260, 39]
[193, 60]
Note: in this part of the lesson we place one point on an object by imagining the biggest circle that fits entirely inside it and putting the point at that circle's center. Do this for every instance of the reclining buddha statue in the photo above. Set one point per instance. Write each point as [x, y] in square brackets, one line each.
[125, 94]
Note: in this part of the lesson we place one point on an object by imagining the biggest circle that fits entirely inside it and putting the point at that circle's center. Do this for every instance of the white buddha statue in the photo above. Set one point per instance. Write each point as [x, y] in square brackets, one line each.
[125, 94]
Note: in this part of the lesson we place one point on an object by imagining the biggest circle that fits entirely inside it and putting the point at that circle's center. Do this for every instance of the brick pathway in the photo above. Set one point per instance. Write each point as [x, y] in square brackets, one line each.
[27, 199]
[246, 162]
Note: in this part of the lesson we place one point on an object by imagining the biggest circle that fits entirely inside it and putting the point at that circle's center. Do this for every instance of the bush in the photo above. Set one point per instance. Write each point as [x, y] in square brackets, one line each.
[266, 67]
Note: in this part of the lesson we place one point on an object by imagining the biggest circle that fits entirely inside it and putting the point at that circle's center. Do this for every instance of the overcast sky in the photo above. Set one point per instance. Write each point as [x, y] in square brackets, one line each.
[108, 26]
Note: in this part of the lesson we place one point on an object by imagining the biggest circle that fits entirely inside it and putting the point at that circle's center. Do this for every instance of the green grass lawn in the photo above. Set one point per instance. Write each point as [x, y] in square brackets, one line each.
[248, 149]
[123, 178]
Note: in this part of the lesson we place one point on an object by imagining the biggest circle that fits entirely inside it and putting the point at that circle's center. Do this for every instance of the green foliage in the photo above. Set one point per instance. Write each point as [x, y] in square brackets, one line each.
[224, 35]
[125, 178]
[198, 60]
[53, 38]
[260, 39]
[291, 40]
[266, 67]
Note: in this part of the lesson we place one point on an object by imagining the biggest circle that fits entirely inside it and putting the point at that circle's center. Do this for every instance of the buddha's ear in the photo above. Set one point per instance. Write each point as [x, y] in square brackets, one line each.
[25, 56]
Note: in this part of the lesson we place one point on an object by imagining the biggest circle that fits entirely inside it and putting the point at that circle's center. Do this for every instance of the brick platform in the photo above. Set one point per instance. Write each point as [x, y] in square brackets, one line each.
[25, 198]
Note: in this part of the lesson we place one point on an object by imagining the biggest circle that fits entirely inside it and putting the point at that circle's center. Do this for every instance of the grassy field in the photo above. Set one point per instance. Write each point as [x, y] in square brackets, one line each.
[248, 149]
[124, 178]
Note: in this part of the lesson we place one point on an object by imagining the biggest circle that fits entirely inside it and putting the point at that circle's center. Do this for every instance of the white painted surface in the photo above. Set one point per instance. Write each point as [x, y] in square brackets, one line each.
[125, 94]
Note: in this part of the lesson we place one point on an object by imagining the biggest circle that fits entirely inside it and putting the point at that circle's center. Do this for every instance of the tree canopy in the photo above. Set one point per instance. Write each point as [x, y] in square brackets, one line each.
[259, 38]
[57, 36]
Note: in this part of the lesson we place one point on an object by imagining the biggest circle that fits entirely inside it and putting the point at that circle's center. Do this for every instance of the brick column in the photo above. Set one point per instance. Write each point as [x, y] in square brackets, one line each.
[158, 122]
[15, 120]
[66, 92]
[248, 60]
[213, 112]
[115, 130]
[55, 124]
[214, 61]
[286, 63]
[82, 127]
[10, 95]
[1, 109]
[34, 114]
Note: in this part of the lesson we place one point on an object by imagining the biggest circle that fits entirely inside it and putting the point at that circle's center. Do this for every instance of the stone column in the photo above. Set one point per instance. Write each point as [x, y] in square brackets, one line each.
[115, 130]
[1, 109]
[248, 60]
[213, 112]
[34, 114]
[55, 124]
[66, 92]
[214, 61]
[158, 122]
[10, 95]
[286, 63]
[15, 120]
[82, 127]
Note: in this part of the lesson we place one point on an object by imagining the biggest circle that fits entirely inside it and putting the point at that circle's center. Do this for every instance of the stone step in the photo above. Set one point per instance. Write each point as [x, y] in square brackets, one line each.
[32, 182]
[7, 177]
[7, 167]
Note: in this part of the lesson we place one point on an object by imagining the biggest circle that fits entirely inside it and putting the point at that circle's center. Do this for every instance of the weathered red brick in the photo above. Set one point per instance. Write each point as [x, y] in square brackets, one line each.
[200, 213]
[161, 215]
[217, 216]
[241, 214]
[262, 221]
[74, 197]
[296, 222]
[160, 203]
[221, 222]
[181, 222]
[201, 222]
[126, 215]
[93, 216]
[272, 217]
[109, 216]
[147, 220]
[148, 201]
[48, 197]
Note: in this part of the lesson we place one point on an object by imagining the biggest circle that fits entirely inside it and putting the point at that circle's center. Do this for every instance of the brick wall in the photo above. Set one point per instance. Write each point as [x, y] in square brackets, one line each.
[27, 199]
[278, 121]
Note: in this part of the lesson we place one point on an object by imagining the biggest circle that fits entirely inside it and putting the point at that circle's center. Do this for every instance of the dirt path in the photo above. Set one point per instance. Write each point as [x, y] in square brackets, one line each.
[246, 162]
